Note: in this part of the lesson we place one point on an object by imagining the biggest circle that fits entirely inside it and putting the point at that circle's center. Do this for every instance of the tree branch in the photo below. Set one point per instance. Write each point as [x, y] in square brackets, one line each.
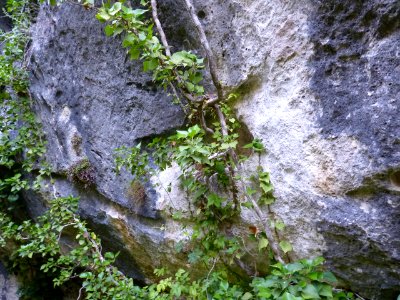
[159, 27]
[204, 42]
[203, 122]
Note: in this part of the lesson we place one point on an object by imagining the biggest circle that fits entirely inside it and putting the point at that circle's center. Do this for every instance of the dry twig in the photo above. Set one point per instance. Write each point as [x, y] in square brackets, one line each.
[204, 42]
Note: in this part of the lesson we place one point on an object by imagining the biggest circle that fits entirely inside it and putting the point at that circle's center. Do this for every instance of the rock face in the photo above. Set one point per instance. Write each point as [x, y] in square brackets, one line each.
[91, 100]
[8, 285]
[5, 22]
[319, 83]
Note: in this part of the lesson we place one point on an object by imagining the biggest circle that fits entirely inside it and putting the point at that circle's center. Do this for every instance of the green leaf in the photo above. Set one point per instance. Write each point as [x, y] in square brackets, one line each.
[182, 58]
[177, 215]
[262, 243]
[266, 187]
[103, 16]
[285, 246]
[279, 225]
[138, 12]
[115, 8]
[329, 277]
[247, 204]
[318, 261]
[109, 30]
[326, 291]
[129, 39]
[250, 191]
[214, 200]
[181, 134]
[193, 131]
[266, 200]
[288, 296]
[294, 267]
[310, 292]
[150, 65]
[247, 296]
[134, 53]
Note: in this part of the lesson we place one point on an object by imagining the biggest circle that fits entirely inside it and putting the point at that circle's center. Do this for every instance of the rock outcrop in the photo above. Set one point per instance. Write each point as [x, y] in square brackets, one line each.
[8, 285]
[319, 83]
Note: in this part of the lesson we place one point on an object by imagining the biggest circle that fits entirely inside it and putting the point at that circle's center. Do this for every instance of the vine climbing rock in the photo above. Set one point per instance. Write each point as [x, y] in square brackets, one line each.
[318, 82]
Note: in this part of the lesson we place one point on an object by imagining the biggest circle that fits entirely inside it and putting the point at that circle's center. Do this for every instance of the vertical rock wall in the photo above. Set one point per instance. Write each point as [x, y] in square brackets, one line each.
[318, 83]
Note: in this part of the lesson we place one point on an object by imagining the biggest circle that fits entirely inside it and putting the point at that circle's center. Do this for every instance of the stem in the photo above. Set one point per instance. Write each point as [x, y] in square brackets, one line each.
[268, 232]
[206, 45]
[159, 27]
[203, 122]
[232, 156]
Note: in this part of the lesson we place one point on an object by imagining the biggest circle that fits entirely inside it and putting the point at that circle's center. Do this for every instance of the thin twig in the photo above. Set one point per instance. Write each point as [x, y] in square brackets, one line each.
[211, 101]
[232, 156]
[209, 273]
[267, 230]
[80, 292]
[159, 27]
[222, 121]
[217, 155]
[171, 85]
[203, 122]
[206, 45]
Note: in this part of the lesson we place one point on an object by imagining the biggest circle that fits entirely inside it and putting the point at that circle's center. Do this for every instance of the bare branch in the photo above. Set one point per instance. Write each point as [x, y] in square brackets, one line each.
[80, 293]
[159, 27]
[206, 45]
[278, 255]
[221, 117]
[203, 122]
[211, 101]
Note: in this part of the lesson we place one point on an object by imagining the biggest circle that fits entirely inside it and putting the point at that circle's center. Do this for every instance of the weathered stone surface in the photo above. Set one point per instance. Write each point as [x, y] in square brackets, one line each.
[327, 109]
[8, 285]
[318, 82]
[91, 100]
[5, 22]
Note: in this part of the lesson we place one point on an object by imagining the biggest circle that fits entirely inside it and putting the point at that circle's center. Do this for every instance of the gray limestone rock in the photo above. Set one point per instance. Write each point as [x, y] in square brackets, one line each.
[5, 22]
[8, 285]
[92, 100]
[319, 83]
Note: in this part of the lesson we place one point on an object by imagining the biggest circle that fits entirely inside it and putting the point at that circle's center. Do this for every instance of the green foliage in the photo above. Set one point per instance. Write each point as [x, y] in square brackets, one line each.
[82, 172]
[14, 43]
[21, 143]
[181, 67]
[84, 260]
[304, 279]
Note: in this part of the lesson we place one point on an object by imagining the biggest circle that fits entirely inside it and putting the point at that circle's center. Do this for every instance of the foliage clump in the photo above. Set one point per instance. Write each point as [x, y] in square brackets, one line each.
[76, 143]
[82, 172]
[136, 193]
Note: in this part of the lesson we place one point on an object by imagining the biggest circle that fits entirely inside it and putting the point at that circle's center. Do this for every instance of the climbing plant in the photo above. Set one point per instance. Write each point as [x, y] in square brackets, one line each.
[206, 154]
[206, 151]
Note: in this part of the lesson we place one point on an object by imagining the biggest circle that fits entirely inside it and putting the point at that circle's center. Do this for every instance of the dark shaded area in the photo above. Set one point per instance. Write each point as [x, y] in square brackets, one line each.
[362, 246]
[125, 261]
[357, 84]
[357, 73]
[5, 22]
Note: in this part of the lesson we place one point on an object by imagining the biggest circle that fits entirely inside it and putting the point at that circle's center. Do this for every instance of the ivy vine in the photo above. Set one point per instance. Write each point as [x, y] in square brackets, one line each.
[206, 151]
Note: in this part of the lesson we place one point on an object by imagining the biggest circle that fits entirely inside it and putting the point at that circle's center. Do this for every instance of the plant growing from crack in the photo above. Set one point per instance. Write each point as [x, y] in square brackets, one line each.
[211, 169]
[198, 159]
[82, 172]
